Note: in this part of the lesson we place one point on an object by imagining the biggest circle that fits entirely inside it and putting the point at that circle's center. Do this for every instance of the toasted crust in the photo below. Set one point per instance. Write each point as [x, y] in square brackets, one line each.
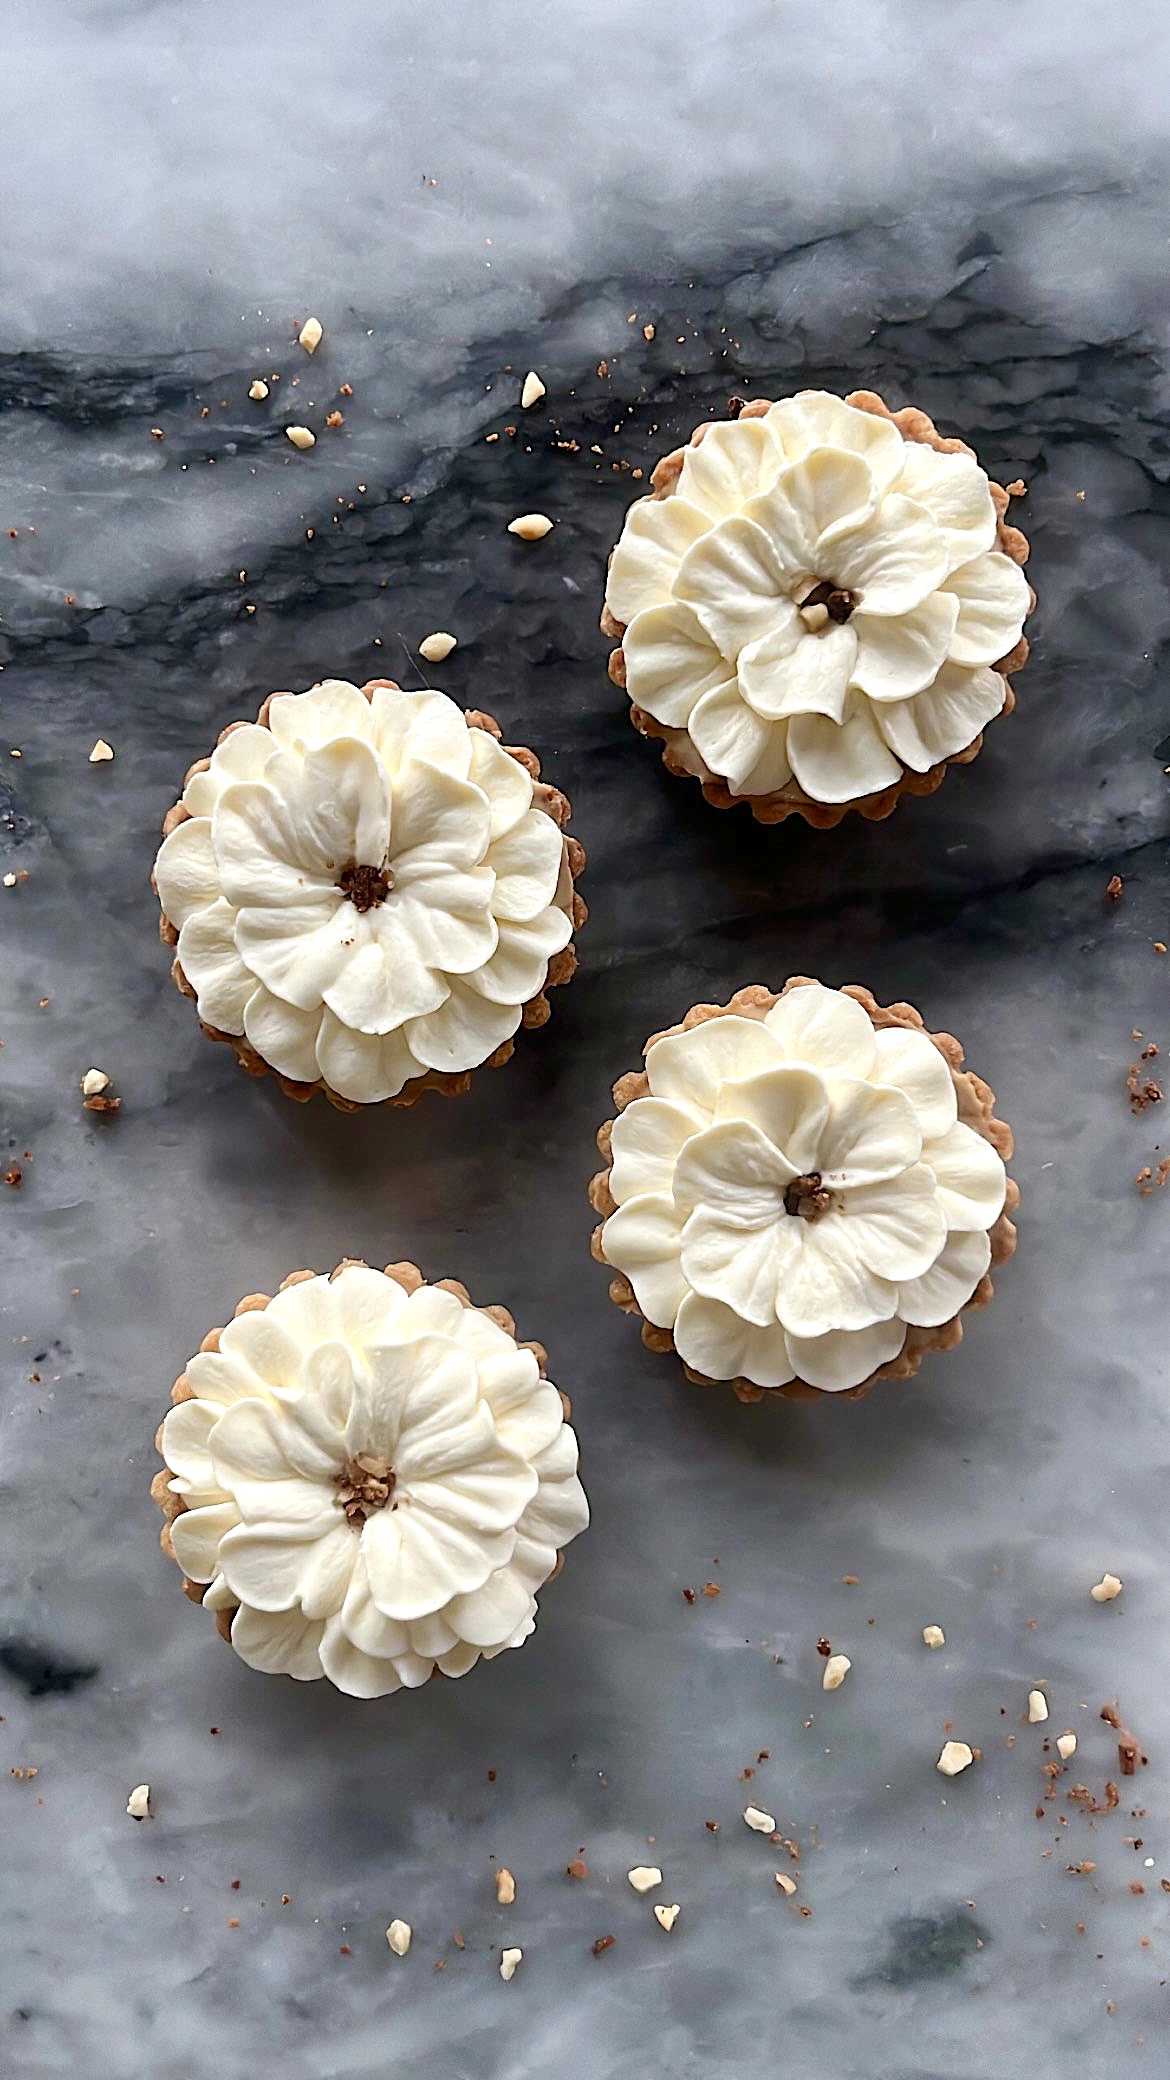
[406, 1275]
[976, 1102]
[536, 1012]
[680, 755]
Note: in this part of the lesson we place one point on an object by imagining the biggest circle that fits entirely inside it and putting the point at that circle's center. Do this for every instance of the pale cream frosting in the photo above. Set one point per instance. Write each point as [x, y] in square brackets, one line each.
[710, 582]
[795, 1191]
[381, 1482]
[364, 889]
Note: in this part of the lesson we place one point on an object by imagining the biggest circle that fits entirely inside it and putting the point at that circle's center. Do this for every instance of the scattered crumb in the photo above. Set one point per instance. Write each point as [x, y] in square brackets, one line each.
[14, 1176]
[138, 1804]
[532, 392]
[157, 434]
[334, 419]
[435, 648]
[1066, 1745]
[531, 527]
[851, 1581]
[94, 1082]
[644, 1877]
[398, 1936]
[509, 1959]
[101, 753]
[1114, 887]
[933, 1636]
[10, 881]
[1018, 489]
[1082, 1870]
[648, 332]
[257, 391]
[1037, 1707]
[505, 1886]
[837, 1667]
[311, 334]
[577, 1868]
[603, 1944]
[956, 1756]
[346, 390]
[301, 437]
[787, 1885]
[1106, 1589]
[101, 1102]
[1159, 946]
[667, 1916]
[759, 1821]
[688, 1594]
[459, 1939]
[344, 1950]
[712, 1589]
[1128, 1752]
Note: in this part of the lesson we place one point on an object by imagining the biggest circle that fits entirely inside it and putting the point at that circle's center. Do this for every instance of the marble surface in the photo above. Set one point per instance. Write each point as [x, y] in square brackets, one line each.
[964, 208]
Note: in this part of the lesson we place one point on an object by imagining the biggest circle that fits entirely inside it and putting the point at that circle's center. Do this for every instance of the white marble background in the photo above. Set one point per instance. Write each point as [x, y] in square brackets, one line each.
[969, 204]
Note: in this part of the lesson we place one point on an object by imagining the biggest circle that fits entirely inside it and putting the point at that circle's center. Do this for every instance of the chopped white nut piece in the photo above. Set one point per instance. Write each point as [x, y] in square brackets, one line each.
[103, 751]
[311, 334]
[956, 1756]
[1066, 1745]
[505, 1886]
[814, 617]
[644, 1877]
[1037, 1707]
[667, 1916]
[759, 1821]
[837, 1667]
[398, 1936]
[1106, 1589]
[301, 437]
[531, 527]
[933, 1636]
[138, 1803]
[509, 1959]
[94, 1082]
[435, 648]
[10, 881]
[787, 1885]
[532, 392]
[257, 390]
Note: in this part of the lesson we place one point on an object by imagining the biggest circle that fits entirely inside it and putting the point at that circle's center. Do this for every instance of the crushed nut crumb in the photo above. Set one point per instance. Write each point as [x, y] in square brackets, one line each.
[94, 1082]
[759, 1821]
[956, 1756]
[532, 392]
[1106, 1589]
[1037, 1707]
[1066, 1745]
[398, 1936]
[435, 648]
[667, 1916]
[311, 334]
[509, 1959]
[531, 527]
[933, 1636]
[101, 753]
[837, 1667]
[138, 1804]
[300, 436]
[505, 1886]
[258, 391]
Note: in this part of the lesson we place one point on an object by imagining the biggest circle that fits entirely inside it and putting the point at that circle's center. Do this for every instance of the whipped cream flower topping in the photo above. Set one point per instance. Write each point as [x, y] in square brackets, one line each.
[380, 1482]
[795, 1191]
[364, 889]
[818, 599]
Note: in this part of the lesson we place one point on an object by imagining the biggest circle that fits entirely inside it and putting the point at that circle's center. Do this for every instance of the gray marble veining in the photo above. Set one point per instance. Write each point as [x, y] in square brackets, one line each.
[964, 208]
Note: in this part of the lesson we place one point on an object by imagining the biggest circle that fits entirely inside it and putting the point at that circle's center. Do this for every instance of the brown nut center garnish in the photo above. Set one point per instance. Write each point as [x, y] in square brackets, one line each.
[837, 600]
[365, 1485]
[366, 887]
[807, 1197]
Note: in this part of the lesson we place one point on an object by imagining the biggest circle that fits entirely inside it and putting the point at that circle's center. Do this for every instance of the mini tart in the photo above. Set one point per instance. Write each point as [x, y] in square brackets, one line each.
[818, 607]
[368, 1480]
[367, 893]
[827, 1106]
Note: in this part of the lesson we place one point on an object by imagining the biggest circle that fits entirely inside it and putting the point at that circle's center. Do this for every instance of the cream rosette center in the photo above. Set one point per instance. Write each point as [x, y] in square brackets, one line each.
[796, 1191]
[818, 599]
[364, 889]
[381, 1483]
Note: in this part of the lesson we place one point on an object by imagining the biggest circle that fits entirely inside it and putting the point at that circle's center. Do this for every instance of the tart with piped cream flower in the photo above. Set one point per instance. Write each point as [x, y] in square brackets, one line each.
[803, 1192]
[368, 1479]
[818, 607]
[367, 893]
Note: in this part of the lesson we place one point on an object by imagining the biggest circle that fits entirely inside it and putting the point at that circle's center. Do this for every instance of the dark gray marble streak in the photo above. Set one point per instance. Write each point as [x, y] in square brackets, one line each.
[1001, 267]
